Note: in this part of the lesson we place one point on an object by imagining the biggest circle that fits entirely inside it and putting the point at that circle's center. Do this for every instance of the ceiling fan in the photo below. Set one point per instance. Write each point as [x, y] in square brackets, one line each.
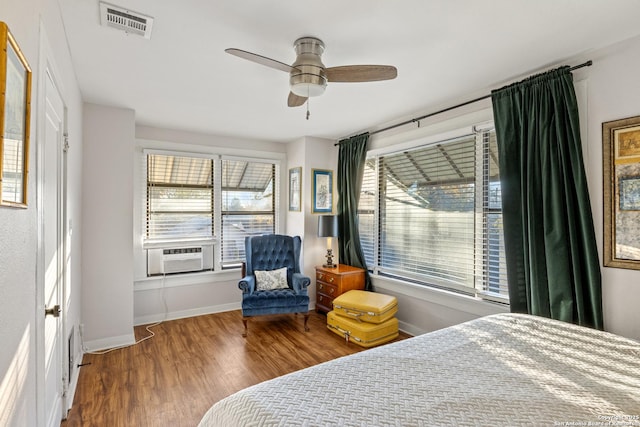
[308, 76]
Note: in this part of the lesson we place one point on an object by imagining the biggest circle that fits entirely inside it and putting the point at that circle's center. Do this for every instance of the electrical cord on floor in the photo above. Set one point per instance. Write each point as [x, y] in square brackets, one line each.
[147, 328]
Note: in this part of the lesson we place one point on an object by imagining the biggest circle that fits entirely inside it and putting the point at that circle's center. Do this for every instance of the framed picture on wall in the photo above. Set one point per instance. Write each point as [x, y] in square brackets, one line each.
[621, 179]
[322, 189]
[295, 189]
[15, 108]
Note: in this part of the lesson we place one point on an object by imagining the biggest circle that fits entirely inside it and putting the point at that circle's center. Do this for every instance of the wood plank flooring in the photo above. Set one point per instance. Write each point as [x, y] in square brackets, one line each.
[174, 377]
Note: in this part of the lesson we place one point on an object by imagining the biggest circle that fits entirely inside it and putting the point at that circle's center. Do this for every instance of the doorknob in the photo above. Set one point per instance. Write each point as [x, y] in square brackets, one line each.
[52, 311]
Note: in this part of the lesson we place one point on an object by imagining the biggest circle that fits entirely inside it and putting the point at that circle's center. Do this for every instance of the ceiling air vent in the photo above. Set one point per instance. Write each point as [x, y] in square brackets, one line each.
[125, 20]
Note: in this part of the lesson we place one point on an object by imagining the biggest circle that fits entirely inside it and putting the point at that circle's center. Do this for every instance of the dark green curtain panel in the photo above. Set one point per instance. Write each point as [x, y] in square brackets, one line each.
[351, 157]
[552, 261]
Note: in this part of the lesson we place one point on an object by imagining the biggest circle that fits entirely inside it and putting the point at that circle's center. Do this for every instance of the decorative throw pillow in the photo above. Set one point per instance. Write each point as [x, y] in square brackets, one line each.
[274, 279]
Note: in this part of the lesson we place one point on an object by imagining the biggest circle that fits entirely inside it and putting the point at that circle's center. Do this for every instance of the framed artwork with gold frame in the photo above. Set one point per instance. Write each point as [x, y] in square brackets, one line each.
[15, 100]
[621, 184]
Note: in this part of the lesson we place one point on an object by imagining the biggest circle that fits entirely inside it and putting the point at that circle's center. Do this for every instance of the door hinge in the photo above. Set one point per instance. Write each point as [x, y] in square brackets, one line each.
[65, 147]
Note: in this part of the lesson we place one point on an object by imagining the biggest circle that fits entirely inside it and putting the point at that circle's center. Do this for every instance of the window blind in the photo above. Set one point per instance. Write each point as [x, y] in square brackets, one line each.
[367, 209]
[491, 268]
[432, 215]
[12, 173]
[179, 197]
[248, 205]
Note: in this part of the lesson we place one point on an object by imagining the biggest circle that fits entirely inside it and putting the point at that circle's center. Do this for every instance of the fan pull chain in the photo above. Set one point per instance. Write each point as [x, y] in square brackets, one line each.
[308, 98]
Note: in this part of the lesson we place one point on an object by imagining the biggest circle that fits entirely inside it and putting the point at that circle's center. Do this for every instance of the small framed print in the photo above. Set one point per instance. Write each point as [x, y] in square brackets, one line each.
[295, 189]
[629, 193]
[322, 188]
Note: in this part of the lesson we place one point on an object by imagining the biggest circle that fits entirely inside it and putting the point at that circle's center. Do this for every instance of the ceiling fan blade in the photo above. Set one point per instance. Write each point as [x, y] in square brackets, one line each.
[262, 60]
[361, 73]
[295, 100]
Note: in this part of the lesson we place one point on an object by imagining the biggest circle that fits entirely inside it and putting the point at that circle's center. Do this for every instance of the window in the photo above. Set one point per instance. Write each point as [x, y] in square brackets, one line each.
[432, 215]
[194, 200]
[248, 205]
[179, 197]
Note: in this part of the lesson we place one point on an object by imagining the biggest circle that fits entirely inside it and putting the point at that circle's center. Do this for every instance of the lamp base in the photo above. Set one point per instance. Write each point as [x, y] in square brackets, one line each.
[329, 263]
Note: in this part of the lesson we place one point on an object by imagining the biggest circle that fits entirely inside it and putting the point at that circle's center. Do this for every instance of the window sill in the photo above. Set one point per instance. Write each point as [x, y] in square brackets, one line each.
[188, 279]
[464, 303]
[176, 243]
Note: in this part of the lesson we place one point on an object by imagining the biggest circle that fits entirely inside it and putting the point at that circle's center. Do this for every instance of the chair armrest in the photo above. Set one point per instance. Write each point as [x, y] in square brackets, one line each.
[300, 282]
[247, 284]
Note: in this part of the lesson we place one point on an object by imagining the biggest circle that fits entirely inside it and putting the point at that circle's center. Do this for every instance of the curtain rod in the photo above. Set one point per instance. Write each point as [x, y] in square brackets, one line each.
[417, 119]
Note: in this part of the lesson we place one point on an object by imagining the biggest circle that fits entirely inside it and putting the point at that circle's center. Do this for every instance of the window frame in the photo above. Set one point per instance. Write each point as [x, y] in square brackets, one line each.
[481, 212]
[148, 186]
[217, 157]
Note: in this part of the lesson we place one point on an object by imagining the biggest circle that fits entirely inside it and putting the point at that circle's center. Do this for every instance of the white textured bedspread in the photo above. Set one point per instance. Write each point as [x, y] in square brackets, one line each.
[501, 370]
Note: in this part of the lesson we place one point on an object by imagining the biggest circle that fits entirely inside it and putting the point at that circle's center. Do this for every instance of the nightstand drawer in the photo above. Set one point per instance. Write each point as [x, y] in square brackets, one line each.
[332, 282]
[324, 303]
[327, 289]
[327, 277]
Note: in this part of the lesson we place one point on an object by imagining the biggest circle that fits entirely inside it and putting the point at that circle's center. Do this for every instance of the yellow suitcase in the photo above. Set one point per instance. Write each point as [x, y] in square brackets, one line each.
[362, 333]
[366, 306]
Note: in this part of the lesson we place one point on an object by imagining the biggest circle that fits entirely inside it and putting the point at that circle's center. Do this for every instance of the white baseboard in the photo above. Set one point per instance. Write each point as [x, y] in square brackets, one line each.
[111, 342]
[410, 329]
[73, 383]
[181, 314]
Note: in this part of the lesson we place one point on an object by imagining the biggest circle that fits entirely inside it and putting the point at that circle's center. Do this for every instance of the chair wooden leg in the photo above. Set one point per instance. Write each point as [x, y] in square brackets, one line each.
[306, 319]
[244, 321]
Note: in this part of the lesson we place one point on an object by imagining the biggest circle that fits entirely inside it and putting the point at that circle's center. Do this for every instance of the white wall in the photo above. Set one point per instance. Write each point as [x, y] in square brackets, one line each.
[18, 245]
[311, 153]
[613, 93]
[20, 396]
[295, 158]
[107, 202]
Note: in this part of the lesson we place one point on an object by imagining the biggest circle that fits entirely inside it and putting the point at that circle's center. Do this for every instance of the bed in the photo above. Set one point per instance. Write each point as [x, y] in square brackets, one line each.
[500, 370]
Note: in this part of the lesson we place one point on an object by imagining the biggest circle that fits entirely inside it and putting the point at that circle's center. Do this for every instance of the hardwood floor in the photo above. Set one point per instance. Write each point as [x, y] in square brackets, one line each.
[174, 377]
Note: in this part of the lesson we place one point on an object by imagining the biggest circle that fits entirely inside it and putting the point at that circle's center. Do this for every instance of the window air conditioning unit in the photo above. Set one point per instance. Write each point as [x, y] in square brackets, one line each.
[181, 260]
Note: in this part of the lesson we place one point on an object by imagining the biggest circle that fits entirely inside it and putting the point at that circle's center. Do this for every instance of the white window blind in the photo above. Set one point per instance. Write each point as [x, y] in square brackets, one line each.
[179, 197]
[12, 170]
[491, 270]
[432, 215]
[248, 205]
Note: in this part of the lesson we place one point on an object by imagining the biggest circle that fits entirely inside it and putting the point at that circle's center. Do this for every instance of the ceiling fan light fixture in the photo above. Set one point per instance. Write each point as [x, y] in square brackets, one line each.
[307, 78]
[307, 85]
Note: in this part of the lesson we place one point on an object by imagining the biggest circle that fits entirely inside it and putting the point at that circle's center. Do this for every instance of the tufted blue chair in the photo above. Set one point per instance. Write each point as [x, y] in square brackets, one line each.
[271, 252]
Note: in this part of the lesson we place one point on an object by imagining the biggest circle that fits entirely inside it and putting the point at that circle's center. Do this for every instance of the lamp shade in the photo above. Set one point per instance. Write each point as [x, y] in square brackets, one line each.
[328, 226]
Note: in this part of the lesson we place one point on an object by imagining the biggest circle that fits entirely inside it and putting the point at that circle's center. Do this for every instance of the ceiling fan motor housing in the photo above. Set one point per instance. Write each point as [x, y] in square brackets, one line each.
[308, 76]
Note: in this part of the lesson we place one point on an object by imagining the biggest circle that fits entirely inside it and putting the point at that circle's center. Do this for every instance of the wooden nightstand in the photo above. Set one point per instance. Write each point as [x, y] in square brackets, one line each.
[331, 282]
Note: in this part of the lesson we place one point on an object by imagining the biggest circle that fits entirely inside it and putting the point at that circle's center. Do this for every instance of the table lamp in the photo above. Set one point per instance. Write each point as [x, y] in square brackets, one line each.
[328, 227]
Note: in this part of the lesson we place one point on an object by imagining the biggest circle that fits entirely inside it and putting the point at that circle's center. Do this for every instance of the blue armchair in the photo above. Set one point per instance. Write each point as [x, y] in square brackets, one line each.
[268, 253]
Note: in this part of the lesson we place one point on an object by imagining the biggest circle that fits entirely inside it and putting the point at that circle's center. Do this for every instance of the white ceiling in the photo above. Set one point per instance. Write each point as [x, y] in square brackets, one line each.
[445, 51]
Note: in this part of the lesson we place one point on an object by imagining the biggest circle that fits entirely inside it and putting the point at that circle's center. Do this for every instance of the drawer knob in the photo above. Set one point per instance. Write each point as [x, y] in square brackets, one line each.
[320, 275]
[331, 290]
[320, 286]
[331, 279]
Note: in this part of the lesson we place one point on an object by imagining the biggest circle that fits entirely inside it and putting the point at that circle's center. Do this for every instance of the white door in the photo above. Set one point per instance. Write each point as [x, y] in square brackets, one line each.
[53, 252]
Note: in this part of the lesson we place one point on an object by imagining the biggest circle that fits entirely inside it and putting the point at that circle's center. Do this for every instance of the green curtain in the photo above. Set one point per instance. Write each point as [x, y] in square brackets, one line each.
[552, 261]
[351, 158]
